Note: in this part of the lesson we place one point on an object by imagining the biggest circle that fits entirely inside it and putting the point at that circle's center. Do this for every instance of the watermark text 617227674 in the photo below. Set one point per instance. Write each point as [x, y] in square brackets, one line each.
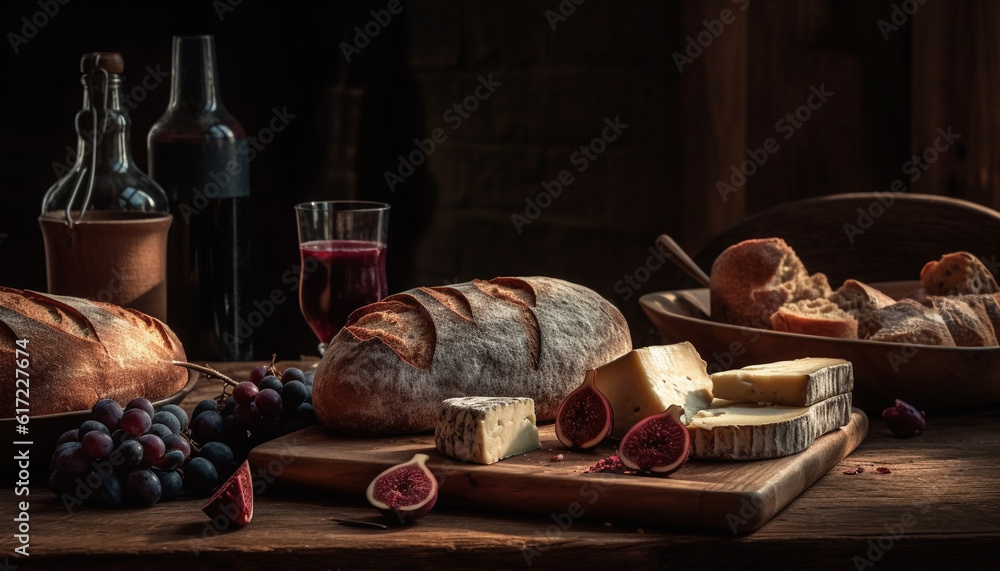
[22, 446]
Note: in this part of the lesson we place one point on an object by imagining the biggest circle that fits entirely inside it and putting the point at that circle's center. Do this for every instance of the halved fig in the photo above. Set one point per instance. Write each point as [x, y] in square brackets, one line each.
[584, 418]
[232, 503]
[405, 491]
[659, 444]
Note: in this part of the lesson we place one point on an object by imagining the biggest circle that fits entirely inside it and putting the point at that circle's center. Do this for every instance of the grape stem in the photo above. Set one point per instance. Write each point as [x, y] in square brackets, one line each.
[212, 373]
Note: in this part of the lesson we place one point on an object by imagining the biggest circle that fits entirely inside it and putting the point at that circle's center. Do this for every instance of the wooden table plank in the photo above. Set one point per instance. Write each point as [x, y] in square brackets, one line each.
[941, 501]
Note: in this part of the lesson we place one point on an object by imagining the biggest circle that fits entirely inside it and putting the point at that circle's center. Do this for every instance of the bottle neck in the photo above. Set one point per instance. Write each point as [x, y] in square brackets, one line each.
[194, 80]
[103, 126]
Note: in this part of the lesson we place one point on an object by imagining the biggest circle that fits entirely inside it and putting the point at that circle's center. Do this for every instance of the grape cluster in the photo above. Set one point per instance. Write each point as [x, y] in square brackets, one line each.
[268, 405]
[121, 455]
[137, 455]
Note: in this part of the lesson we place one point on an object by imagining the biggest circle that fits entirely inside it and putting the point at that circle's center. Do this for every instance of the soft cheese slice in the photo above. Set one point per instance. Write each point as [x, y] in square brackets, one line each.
[801, 382]
[749, 431]
[486, 429]
[647, 381]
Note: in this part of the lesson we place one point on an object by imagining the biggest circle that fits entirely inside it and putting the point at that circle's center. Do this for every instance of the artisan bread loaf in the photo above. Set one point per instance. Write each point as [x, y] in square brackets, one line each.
[388, 370]
[752, 279]
[909, 322]
[957, 273]
[80, 351]
[967, 319]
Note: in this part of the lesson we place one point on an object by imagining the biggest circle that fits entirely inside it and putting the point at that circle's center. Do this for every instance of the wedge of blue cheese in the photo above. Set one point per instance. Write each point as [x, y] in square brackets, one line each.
[486, 429]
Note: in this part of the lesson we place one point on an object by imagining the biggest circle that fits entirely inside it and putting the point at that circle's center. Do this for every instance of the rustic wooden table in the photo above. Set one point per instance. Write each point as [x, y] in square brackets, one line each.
[938, 508]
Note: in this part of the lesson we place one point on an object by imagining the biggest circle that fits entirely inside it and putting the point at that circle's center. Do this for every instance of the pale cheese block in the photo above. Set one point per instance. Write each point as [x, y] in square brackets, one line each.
[750, 431]
[801, 382]
[647, 381]
[486, 429]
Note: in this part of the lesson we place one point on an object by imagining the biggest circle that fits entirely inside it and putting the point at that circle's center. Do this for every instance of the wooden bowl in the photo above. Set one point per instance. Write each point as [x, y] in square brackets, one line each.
[929, 377]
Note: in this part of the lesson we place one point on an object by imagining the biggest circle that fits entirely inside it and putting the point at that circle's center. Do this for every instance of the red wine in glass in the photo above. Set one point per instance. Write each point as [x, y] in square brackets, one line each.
[339, 276]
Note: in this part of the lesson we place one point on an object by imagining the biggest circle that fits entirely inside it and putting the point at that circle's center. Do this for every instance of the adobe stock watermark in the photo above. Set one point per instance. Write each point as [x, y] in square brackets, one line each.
[564, 10]
[582, 159]
[455, 116]
[915, 167]
[31, 25]
[789, 124]
[262, 309]
[224, 7]
[697, 44]
[900, 15]
[201, 197]
[590, 492]
[363, 35]
[632, 282]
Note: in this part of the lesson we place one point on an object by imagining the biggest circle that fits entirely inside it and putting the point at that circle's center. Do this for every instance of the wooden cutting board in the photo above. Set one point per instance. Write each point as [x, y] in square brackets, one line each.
[737, 497]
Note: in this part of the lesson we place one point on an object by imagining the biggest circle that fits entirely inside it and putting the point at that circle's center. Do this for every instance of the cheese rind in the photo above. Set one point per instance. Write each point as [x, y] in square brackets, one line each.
[486, 429]
[647, 381]
[748, 431]
[801, 382]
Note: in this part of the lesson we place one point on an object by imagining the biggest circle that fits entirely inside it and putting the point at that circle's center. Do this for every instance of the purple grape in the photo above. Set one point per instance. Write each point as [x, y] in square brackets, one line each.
[97, 445]
[294, 394]
[168, 420]
[207, 427]
[293, 374]
[62, 483]
[178, 412]
[271, 382]
[259, 373]
[141, 403]
[220, 455]
[142, 487]
[69, 436]
[205, 405]
[200, 475]
[152, 447]
[72, 445]
[171, 460]
[305, 412]
[130, 453]
[228, 406]
[72, 461]
[110, 492]
[108, 412]
[178, 442]
[171, 483]
[245, 415]
[245, 392]
[160, 430]
[92, 425]
[268, 403]
[135, 421]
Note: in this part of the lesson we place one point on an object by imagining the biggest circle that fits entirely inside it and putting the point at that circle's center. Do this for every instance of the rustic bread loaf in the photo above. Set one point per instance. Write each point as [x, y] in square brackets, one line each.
[957, 273]
[909, 322]
[388, 370]
[80, 351]
[815, 317]
[752, 279]
[967, 319]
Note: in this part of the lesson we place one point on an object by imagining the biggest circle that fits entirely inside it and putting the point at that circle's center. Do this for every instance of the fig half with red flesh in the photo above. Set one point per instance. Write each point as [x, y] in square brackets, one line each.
[659, 444]
[405, 491]
[584, 418]
[233, 501]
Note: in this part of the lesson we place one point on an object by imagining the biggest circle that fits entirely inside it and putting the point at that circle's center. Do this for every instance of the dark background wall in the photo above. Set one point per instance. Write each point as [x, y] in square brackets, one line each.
[888, 87]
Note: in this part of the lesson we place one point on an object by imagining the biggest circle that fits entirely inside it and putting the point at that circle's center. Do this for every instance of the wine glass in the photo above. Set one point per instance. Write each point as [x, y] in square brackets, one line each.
[343, 247]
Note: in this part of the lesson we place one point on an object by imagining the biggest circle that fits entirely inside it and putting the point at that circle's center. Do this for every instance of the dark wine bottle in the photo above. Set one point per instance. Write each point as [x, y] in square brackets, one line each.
[198, 153]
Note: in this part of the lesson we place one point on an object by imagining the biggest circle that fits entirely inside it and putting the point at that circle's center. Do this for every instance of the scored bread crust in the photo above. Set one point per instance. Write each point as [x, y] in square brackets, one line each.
[752, 279]
[909, 322]
[509, 337]
[80, 351]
